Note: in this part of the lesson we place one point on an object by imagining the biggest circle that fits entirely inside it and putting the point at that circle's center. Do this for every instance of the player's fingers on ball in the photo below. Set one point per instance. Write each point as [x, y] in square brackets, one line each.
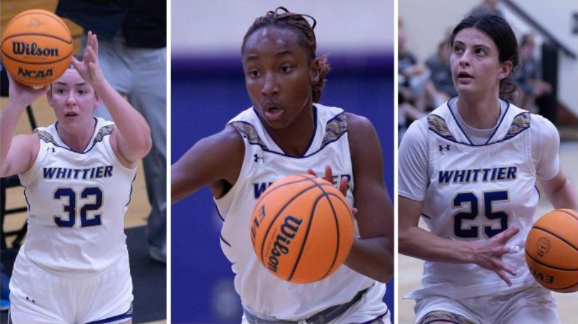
[353, 211]
[328, 174]
[311, 172]
[343, 186]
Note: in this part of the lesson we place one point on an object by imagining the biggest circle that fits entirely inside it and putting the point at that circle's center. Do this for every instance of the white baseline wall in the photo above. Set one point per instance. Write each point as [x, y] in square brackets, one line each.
[217, 27]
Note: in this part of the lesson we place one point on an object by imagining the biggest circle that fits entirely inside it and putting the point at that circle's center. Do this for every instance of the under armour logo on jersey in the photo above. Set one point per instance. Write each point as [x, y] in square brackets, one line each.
[257, 158]
[48, 149]
[441, 148]
[30, 300]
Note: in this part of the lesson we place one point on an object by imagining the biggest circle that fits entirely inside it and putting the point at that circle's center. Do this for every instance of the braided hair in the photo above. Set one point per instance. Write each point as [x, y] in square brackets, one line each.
[283, 18]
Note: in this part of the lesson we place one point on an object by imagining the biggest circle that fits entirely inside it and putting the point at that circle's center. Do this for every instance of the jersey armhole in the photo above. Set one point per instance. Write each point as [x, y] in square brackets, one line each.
[246, 161]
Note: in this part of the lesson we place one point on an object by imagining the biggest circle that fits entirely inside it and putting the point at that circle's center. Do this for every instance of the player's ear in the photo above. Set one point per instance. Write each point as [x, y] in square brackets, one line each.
[97, 100]
[314, 71]
[49, 95]
[505, 70]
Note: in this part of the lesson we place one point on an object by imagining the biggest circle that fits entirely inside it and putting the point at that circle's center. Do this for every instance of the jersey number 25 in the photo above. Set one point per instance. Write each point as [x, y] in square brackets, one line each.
[471, 199]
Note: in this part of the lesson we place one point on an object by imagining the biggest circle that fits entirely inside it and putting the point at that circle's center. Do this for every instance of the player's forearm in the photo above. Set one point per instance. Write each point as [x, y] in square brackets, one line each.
[372, 257]
[565, 197]
[8, 122]
[419, 243]
[129, 122]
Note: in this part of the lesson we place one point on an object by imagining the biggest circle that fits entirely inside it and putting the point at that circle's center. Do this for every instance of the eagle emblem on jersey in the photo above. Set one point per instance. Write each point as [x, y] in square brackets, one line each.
[104, 130]
[334, 129]
[45, 136]
[521, 123]
[249, 132]
[439, 126]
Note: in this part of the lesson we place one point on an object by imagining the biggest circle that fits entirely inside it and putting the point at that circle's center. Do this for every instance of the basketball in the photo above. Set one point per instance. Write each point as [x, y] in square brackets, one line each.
[552, 250]
[36, 47]
[302, 229]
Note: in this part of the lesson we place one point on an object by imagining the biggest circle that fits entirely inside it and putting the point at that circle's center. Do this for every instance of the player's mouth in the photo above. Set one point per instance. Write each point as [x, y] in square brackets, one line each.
[70, 114]
[273, 111]
[464, 77]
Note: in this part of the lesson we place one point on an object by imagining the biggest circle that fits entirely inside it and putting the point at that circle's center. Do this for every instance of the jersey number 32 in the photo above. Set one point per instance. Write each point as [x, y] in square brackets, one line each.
[92, 194]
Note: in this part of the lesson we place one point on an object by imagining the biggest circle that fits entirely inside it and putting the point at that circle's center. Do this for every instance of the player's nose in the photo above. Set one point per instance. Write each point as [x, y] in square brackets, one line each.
[270, 86]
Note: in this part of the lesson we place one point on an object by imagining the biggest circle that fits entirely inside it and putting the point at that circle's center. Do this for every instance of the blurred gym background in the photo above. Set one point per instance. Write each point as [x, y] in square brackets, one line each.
[208, 89]
[547, 33]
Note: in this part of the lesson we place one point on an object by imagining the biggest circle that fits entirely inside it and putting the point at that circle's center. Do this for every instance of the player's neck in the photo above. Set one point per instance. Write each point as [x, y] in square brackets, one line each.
[481, 112]
[295, 139]
[76, 139]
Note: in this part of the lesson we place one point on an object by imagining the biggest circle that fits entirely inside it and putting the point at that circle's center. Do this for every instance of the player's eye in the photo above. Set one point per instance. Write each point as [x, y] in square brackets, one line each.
[458, 49]
[286, 68]
[253, 73]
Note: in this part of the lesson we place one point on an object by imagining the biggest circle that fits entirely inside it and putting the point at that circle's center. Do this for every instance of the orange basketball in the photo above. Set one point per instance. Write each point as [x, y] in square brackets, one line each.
[36, 47]
[302, 229]
[552, 250]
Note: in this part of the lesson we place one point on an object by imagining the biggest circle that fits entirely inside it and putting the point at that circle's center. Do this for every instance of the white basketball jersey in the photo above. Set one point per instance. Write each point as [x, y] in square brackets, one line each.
[264, 163]
[474, 193]
[76, 203]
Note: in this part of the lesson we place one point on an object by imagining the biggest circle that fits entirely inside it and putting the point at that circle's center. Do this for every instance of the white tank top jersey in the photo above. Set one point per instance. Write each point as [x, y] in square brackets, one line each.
[262, 293]
[76, 203]
[476, 191]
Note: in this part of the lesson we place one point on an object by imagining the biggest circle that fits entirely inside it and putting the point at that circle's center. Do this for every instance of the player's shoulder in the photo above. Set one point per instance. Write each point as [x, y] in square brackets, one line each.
[543, 127]
[417, 131]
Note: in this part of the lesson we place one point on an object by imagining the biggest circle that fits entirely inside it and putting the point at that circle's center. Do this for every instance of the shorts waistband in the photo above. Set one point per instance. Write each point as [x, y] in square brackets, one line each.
[324, 316]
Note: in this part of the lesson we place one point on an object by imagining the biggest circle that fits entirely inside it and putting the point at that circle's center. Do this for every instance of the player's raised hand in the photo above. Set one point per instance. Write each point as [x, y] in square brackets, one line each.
[488, 254]
[89, 69]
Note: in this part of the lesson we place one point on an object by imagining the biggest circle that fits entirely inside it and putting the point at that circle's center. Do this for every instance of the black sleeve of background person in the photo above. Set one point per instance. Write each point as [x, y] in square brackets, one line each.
[104, 18]
[146, 25]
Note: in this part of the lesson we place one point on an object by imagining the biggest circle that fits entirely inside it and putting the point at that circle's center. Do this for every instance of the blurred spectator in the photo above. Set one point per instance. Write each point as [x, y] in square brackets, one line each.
[487, 7]
[441, 74]
[528, 75]
[407, 97]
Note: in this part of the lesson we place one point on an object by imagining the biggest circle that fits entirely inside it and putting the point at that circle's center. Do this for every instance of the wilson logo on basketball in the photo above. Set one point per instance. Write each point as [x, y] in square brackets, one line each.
[23, 48]
[289, 229]
[35, 74]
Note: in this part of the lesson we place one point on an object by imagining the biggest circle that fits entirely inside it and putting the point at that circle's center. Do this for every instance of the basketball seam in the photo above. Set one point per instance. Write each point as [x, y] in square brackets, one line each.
[267, 193]
[316, 185]
[275, 218]
[566, 212]
[35, 12]
[39, 34]
[556, 236]
[306, 236]
[562, 289]
[42, 63]
[547, 265]
[338, 233]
